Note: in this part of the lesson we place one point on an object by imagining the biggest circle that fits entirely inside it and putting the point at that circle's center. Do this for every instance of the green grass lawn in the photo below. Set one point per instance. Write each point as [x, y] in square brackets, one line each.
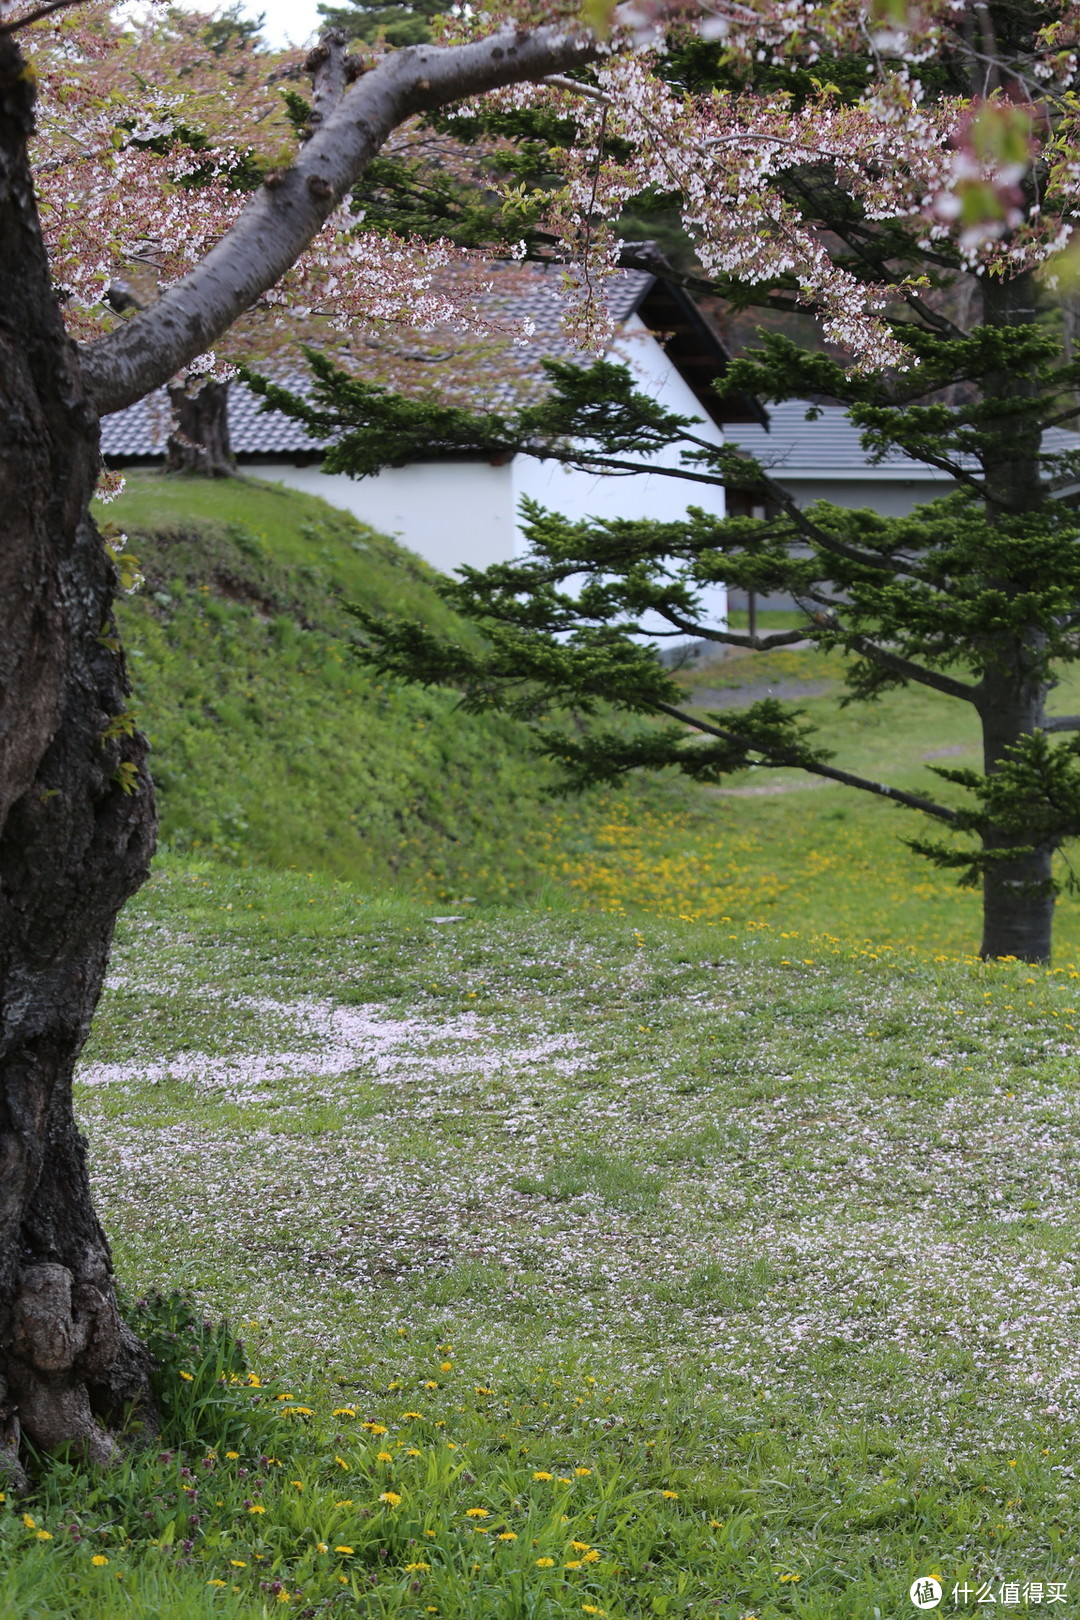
[591, 1264]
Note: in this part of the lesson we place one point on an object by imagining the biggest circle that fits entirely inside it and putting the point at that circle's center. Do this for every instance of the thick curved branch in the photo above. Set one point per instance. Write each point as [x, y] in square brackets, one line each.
[291, 207]
[1062, 722]
[909, 671]
[913, 801]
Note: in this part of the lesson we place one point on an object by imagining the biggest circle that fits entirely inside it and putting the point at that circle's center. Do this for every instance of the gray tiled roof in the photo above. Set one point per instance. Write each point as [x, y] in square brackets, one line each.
[142, 429]
[831, 446]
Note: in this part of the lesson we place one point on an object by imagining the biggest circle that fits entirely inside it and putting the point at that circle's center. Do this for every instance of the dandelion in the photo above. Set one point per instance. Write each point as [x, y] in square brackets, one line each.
[345, 1550]
[420, 1565]
[540, 1474]
[506, 1535]
[672, 1496]
[582, 1473]
[346, 1503]
[591, 1557]
[406, 1416]
[580, 1546]
[341, 1462]
[784, 1578]
[430, 1532]
[31, 1524]
[187, 1377]
[256, 1507]
[209, 1583]
[562, 1479]
[99, 1561]
[343, 1411]
[298, 1483]
[477, 1513]
[238, 1563]
[232, 1455]
[545, 1563]
[391, 1498]
[482, 1389]
[446, 1366]
[590, 1608]
[383, 1456]
[321, 1547]
[374, 1428]
[414, 1451]
[430, 1383]
[44, 1535]
[573, 1563]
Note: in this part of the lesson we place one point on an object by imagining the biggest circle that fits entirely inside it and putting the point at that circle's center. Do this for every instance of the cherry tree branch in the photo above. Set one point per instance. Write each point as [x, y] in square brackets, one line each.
[292, 206]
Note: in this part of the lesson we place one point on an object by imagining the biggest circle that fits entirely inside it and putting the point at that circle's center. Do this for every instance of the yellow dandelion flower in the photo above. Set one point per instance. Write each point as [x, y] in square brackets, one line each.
[477, 1513]
[482, 1389]
[374, 1428]
[232, 1455]
[406, 1416]
[212, 1583]
[446, 1366]
[383, 1456]
[30, 1523]
[784, 1578]
[99, 1561]
[283, 1597]
[506, 1535]
[341, 1462]
[418, 1565]
[672, 1496]
[298, 1483]
[414, 1451]
[187, 1377]
[321, 1547]
[283, 1397]
[591, 1557]
[345, 1550]
[347, 1502]
[545, 1563]
[256, 1507]
[254, 1381]
[430, 1532]
[343, 1411]
[430, 1383]
[580, 1546]
[238, 1563]
[540, 1474]
[562, 1479]
[590, 1608]
[391, 1498]
[44, 1535]
[573, 1563]
[582, 1473]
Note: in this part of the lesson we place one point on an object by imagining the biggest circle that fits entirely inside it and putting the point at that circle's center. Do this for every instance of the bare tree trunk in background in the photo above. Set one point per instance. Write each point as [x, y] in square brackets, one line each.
[199, 440]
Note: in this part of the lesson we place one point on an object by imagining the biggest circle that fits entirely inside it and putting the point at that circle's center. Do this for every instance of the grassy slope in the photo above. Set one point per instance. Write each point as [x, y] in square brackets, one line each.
[269, 744]
[807, 1219]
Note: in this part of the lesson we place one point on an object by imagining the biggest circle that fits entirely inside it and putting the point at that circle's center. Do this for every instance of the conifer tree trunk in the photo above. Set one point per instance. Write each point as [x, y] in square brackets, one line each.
[1018, 899]
[76, 835]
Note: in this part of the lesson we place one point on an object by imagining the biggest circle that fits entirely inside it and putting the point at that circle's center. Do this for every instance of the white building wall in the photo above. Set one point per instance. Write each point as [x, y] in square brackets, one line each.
[449, 512]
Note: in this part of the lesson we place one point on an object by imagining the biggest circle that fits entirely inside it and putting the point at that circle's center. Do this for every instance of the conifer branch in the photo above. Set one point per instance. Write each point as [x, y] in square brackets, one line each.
[913, 801]
[908, 670]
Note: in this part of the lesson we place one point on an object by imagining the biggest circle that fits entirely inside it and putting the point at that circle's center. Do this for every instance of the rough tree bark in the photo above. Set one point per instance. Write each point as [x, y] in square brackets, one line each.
[75, 840]
[76, 805]
[199, 440]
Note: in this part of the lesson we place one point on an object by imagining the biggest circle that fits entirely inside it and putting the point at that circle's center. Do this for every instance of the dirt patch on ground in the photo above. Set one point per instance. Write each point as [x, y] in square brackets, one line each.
[741, 697]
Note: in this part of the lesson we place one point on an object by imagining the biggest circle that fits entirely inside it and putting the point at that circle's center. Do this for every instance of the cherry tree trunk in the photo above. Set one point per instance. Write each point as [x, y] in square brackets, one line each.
[76, 835]
[199, 441]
